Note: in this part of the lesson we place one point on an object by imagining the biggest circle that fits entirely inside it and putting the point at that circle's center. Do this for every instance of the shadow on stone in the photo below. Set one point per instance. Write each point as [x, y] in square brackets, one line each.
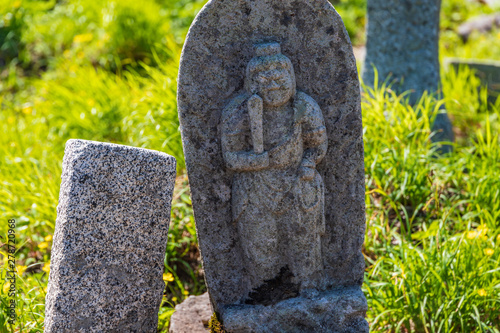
[275, 290]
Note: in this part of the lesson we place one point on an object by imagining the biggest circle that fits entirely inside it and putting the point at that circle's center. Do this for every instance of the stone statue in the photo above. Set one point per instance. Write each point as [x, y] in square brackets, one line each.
[270, 116]
[273, 136]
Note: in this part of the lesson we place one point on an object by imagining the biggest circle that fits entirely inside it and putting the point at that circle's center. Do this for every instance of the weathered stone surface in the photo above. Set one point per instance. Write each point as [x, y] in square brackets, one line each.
[192, 315]
[402, 43]
[110, 239]
[270, 115]
[340, 311]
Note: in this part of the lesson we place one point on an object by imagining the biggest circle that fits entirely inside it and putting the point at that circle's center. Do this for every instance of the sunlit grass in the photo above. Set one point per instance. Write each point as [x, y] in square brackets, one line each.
[433, 222]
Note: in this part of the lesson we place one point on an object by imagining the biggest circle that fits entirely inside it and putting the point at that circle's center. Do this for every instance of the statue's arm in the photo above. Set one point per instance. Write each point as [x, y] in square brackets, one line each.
[236, 148]
[313, 133]
[316, 145]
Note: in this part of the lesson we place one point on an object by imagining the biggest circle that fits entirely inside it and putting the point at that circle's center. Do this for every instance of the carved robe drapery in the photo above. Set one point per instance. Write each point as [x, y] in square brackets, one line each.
[273, 201]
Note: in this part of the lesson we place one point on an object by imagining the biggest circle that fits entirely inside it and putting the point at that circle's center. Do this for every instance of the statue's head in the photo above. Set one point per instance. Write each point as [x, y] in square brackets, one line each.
[270, 75]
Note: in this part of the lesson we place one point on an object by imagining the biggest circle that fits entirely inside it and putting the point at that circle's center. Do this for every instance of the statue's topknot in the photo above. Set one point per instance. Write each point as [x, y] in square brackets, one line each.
[267, 49]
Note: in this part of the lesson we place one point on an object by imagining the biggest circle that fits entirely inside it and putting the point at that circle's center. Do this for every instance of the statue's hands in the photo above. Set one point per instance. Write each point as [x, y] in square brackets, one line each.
[261, 160]
[306, 173]
[246, 161]
[255, 162]
[307, 169]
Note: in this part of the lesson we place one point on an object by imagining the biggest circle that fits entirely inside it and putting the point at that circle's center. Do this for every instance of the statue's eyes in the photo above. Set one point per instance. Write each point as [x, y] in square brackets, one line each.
[278, 78]
[262, 79]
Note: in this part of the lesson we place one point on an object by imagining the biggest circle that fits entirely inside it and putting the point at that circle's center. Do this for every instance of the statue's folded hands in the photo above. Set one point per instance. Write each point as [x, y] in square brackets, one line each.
[306, 172]
[246, 161]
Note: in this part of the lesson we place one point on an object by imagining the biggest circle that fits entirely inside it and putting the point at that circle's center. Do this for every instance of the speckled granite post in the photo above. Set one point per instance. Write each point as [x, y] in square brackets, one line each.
[110, 239]
[269, 104]
[402, 43]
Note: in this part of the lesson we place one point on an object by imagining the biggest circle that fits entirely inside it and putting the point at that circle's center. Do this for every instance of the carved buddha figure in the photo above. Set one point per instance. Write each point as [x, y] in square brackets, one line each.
[273, 137]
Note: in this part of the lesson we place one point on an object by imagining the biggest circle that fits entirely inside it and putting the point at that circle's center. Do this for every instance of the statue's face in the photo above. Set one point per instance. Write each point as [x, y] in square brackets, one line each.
[275, 86]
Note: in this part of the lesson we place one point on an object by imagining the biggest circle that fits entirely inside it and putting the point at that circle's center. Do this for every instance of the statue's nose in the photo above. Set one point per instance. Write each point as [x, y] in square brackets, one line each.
[273, 86]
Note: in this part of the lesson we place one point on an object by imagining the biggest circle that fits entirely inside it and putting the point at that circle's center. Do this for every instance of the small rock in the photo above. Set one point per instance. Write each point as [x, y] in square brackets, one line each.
[492, 3]
[482, 24]
[192, 315]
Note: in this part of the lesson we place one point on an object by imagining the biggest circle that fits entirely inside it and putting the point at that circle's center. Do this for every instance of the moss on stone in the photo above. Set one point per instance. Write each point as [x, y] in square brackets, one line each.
[215, 325]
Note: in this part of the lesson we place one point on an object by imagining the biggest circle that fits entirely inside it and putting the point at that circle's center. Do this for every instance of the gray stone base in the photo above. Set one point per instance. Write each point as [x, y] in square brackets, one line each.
[334, 311]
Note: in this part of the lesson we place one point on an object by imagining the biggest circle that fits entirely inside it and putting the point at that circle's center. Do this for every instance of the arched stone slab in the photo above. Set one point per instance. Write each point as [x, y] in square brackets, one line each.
[218, 49]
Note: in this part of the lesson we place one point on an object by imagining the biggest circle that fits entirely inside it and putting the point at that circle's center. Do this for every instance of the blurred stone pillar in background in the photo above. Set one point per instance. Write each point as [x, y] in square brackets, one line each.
[403, 43]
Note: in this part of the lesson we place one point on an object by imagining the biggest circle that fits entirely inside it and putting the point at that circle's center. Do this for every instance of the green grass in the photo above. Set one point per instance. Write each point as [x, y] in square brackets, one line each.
[432, 244]
[433, 237]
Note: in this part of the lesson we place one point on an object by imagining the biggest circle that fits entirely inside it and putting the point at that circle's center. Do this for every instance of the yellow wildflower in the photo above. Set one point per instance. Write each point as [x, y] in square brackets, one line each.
[17, 4]
[483, 228]
[45, 290]
[83, 38]
[489, 252]
[11, 120]
[6, 287]
[48, 238]
[21, 269]
[185, 292]
[498, 238]
[168, 277]
[46, 267]
[174, 299]
[27, 109]
[472, 234]
[43, 245]
[482, 292]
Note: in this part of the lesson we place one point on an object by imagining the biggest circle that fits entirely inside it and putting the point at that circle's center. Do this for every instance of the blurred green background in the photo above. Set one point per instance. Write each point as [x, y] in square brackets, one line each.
[106, 71]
